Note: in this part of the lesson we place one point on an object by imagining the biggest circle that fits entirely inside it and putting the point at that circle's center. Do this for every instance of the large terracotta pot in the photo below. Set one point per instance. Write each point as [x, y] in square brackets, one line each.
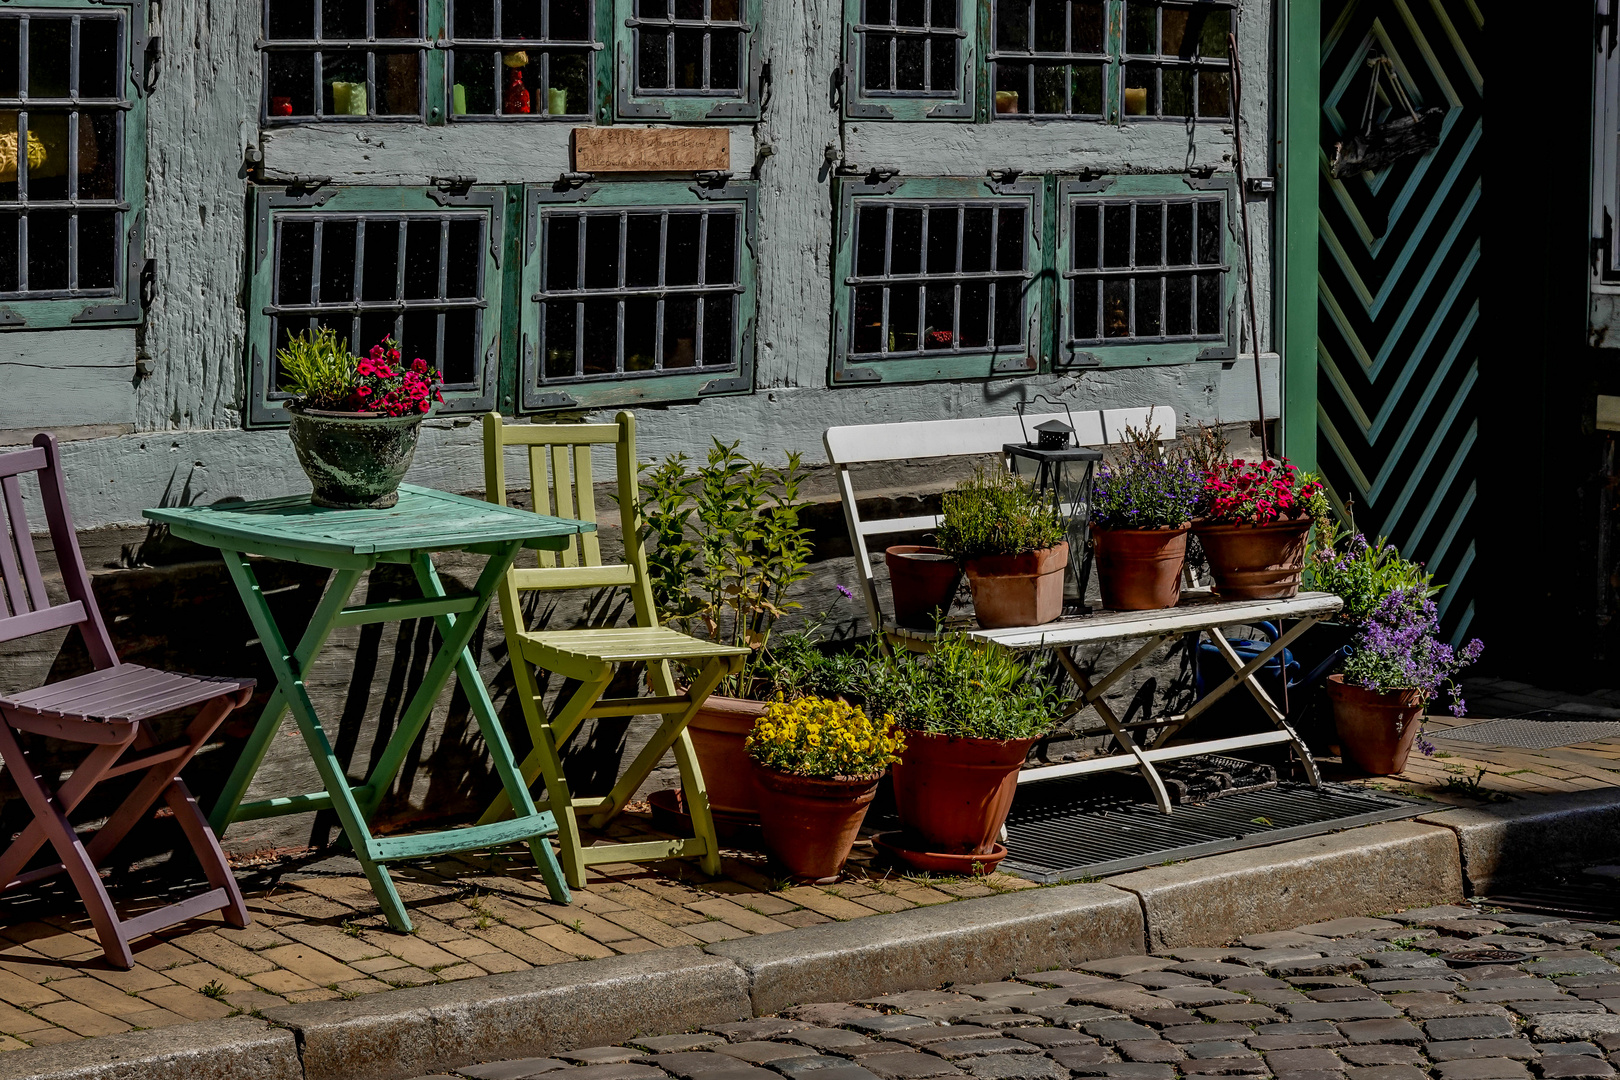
[1140, 569]
[1255, 562]
[954, 792]
[923, 581]
[1376, 729]
[353, 460]
[810, 823]
[718, 731]
[1018, 590]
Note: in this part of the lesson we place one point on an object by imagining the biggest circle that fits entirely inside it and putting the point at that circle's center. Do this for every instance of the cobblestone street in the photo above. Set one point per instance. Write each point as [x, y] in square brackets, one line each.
[1351, 999]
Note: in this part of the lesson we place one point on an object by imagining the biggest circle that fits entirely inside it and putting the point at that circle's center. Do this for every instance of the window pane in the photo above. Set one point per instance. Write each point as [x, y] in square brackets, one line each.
[1085, 237]
[1010, 240]
[1178, 298]
[397, 84]
[100, 70]
[878, 72]
[345, 91]
[380, 280]
[292, 19]
[725, 62]
[8, 251]
[906, 247]
[374, 327]
[1178, 91]
[48, 250]
[558, 326]
[292, 83]
[396, 18]
[1051, 26]
[10, 35]
[1150, 234]
[1087, 90]
[1209, 232]
[1116, 307]
[570, 20]
[939, 309]
[419, 337]
[640, 334]
[942, 70]
[689, 9]
[1141, 90]
[717, 330]
[977, 222]
[879, 12]
[343, 19]
[721, 268]
[1089, 26]
[868, 320]
[1012, 24]
[99, 155]
[1009, 313]
[295, 262]
[48, 178]
[337, 262]
[943, 13]
[98, 249]
[562, 252]
[681, 263]
[1216, 25]
[942, 224]
[652, 67]
[1084, 311]
[462, 347]
[569, 92]
[1209, 303]
[1148, 296]
[1180, 234]
[50, 48]
[474, 91]
[911, 12]
[903, 301]
[601, 253]
[689, 59]
[1141, 27]
[641, 253]
[522, 21]
[871, 232]
[1116, 235]
[975, 324]
[472, 19]
[422, 260]
[466, 257]
[1214, 94]
[910, 63]
[1173, 38]
[601, 336]
[1050, 81]
[680, 332]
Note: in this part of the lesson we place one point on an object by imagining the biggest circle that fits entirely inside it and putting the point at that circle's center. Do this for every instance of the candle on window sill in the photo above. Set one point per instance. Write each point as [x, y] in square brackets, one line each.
[1136, 101]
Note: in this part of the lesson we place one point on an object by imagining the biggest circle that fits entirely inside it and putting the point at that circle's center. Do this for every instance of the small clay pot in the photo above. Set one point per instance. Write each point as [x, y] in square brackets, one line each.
[896, 846]
[1018, 590]
[1255, 562]
[923, 581]
[953, 792]
[810, 823]
[718, 732]
[1140, 569]
[1376, 728]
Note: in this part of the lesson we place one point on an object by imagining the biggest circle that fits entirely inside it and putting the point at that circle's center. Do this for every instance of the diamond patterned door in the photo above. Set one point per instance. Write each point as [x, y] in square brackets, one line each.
[1399, 285]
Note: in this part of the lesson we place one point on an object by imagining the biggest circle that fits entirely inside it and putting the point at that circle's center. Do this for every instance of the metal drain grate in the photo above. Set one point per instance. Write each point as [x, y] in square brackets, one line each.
[1055, 831]
[1534, 731]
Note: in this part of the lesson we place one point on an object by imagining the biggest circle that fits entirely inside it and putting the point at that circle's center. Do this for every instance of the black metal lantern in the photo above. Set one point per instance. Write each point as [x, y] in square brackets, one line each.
[1064, 473]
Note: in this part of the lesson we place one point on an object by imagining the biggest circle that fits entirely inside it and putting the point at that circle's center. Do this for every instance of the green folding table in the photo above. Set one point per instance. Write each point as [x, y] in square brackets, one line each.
[350, 542]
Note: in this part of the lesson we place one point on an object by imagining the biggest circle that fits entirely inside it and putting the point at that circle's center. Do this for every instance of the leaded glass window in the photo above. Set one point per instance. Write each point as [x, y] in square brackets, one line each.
[938, 278]
[344, 59]
[522, 59]
[1177, 63]
[1049, 58]
[1147, 270]
[417, 278]
[63, 110]
[909, 47]
[639, 291]
[690, 48]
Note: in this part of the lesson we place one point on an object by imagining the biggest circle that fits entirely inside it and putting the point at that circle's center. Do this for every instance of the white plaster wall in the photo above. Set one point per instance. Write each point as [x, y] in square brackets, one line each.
[187, 415]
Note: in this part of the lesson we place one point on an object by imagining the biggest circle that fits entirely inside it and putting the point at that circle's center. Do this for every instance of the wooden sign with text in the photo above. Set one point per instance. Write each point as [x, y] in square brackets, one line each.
[628, 149]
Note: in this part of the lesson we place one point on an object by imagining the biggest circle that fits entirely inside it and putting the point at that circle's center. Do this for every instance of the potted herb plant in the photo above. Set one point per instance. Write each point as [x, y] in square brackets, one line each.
[818, 761]
[970, 714]
[1255, 520]
[726, 549]
[355, 420]
[1395, 662]
[1009, 542]
[1141, 512]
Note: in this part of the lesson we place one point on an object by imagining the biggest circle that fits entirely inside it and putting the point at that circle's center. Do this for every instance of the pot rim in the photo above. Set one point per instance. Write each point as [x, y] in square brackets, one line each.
[1337, 679]
[337, 414]
[1212, 523]
[1183, 527]
[971, 738]
[850, 780]
[1045, 551]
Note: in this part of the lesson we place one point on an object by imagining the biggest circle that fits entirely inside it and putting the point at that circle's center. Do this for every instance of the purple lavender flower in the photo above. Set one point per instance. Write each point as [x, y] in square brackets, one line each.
[1398, 648]
[844, 591]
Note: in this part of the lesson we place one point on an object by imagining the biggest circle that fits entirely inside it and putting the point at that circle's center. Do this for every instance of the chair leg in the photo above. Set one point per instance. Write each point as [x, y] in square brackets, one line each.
[697, 803]
[206, 846]
[54, 825]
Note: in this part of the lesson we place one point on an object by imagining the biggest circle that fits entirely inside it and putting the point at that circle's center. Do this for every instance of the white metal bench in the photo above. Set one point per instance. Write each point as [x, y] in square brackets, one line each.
[1199, 613]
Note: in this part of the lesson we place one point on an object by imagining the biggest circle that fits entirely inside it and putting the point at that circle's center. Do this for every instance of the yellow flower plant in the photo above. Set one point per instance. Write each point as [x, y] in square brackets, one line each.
[824, 737]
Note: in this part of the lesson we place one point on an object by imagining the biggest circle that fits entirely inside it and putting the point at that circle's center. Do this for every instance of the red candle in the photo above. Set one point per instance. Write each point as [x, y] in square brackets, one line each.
[281, 106]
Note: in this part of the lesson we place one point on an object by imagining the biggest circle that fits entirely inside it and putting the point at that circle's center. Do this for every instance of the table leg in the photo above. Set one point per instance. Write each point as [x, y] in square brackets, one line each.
[500, 751]
[1275, 714]
[338, 591]
[1121, 736]
[289, 677]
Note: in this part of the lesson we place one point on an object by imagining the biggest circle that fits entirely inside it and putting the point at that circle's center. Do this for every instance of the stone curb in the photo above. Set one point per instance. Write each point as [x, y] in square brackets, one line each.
[237, 1049]
[407, 1033]
[1535, 833]
[966, 942]
[1211, 901]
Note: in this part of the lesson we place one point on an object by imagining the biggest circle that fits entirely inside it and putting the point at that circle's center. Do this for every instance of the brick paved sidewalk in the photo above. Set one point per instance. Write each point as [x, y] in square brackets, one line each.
[1351, 999]
[318, 933]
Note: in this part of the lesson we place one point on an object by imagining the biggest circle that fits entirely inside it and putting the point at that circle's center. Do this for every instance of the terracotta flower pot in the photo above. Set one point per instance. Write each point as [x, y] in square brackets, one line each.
[1255, 562]
[1376, 729]
[1140, 569]
[923, 581]
[718, 731]
[1018, 590]
[954, 792]
[810, 823]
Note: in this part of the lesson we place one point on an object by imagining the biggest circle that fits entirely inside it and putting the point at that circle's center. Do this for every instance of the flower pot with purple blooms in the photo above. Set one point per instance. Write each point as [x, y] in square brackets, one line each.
[1144, 499]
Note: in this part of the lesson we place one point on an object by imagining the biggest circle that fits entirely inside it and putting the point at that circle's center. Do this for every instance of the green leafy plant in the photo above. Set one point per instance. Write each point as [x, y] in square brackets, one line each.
[963, 688]
[318, 369]
[1363, 573]
[214, 989]
[994, 513]
[725, 547]
[1147, 486]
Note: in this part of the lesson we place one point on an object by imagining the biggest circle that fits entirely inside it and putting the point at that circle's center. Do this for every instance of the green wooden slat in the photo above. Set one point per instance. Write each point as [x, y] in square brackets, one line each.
[471, 838]
[289, 804]
[400, 610]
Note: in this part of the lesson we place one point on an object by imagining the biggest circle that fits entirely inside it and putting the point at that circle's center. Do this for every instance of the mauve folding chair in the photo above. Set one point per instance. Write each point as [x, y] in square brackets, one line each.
[106, 711]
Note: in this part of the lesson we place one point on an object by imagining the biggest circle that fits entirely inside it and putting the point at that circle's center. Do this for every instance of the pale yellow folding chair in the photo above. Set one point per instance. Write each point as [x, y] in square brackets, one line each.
[560, 482]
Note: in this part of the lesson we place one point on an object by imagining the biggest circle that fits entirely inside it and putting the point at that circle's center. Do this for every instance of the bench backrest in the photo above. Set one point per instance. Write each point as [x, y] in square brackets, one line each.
[874, 443]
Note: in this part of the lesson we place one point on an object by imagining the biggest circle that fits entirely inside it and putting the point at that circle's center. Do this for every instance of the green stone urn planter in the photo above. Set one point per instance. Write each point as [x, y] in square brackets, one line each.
[354, 460]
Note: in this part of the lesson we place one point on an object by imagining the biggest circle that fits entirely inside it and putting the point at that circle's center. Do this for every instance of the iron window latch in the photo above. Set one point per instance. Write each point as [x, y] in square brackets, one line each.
[570, 180]
[712, 178]
[1004, 176]
[453, 185]
[875, 174]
